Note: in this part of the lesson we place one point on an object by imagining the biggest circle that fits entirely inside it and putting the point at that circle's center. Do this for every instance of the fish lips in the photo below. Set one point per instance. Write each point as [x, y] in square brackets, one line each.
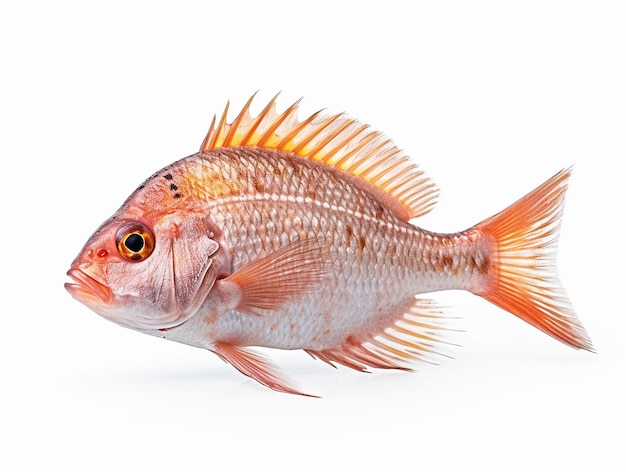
[100, 298]
[88, 290]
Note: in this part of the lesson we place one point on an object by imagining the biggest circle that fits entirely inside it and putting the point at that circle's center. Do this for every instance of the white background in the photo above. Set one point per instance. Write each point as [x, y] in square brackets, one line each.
[489, 97]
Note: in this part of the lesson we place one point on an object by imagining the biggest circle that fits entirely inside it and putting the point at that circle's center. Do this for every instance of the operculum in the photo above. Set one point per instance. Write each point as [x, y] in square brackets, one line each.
[195, 259]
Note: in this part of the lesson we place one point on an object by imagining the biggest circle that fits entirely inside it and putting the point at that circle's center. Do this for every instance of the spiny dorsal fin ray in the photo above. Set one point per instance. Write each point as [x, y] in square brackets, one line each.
[335, 140]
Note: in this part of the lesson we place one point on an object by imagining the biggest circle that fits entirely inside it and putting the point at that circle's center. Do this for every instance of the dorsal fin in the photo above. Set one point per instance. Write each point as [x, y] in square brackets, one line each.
[335, 140]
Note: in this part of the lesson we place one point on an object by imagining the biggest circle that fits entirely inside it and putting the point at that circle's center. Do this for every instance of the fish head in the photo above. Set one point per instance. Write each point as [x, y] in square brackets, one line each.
[147, 273]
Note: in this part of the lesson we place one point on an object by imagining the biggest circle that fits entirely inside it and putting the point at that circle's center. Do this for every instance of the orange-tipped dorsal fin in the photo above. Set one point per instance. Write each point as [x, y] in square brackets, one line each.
[335, 140]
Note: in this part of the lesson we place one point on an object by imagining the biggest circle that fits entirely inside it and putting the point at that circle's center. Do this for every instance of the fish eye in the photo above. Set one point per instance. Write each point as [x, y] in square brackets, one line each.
[134, 241]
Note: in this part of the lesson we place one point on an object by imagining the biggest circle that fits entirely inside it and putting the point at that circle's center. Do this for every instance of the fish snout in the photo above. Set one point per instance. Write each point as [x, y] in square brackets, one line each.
[86, 289]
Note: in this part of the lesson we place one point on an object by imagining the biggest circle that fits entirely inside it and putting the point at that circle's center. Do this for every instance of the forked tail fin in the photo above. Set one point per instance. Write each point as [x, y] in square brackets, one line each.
[523, 276]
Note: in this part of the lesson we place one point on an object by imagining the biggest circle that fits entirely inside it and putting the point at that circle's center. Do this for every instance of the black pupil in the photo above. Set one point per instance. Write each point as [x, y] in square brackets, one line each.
[134, 242]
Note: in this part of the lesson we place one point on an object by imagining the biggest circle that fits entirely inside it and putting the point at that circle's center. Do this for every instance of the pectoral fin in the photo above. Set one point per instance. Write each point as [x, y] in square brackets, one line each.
[269, 282]
[257, 367]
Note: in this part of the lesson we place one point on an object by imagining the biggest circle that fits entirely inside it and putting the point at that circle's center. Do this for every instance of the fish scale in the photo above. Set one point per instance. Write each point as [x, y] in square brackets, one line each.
[295, 234]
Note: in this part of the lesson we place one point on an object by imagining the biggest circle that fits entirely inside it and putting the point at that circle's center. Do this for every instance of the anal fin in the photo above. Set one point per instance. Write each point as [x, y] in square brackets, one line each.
[415, 335]
[257, 367]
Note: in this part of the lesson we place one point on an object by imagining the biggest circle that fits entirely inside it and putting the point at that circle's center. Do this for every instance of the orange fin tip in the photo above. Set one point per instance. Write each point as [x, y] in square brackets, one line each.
[337, 141]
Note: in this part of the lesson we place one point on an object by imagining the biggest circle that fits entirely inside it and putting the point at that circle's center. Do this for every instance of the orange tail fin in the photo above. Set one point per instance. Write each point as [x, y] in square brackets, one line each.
[524, 280]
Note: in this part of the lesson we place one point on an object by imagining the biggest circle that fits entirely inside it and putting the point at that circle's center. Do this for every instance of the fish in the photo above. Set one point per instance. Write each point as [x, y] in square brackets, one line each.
[299, 234]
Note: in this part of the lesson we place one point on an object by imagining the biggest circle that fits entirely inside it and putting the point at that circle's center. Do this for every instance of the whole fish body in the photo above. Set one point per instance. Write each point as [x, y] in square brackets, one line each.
[295, 235]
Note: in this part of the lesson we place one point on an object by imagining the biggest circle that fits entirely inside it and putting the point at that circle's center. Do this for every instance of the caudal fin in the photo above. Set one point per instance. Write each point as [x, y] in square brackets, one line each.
[524, 280]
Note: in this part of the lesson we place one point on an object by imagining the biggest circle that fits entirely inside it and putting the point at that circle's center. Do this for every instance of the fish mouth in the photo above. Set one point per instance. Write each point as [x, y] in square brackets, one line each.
[87, 289]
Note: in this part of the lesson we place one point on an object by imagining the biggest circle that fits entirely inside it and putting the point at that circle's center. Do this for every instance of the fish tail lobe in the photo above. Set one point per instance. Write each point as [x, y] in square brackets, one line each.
[522, 275]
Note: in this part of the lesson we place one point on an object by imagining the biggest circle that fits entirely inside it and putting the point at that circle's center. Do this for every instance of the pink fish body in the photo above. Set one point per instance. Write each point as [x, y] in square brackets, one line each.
[295, 235]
